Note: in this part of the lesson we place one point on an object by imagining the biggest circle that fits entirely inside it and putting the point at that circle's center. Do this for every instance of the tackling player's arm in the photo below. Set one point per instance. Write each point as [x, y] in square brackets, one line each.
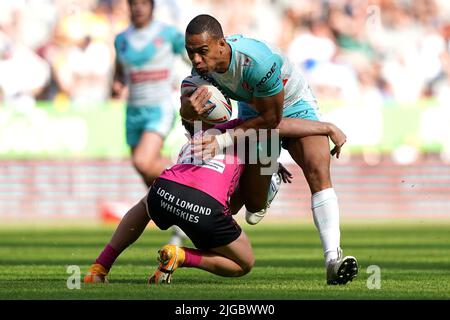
[295, 128]
[299, 128]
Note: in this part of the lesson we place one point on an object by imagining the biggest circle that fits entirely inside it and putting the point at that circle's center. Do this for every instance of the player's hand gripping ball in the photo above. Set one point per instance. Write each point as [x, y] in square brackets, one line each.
[221, 110]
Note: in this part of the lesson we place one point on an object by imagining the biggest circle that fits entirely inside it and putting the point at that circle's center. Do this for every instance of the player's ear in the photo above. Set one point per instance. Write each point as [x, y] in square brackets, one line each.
[222, 43]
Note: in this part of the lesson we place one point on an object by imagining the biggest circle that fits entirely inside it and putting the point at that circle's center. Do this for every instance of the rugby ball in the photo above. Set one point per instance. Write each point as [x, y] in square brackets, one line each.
[221, 111]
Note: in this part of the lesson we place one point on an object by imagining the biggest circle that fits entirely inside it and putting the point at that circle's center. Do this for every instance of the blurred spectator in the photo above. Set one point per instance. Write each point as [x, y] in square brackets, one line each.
[83, 53]
[357, 50]
[314, 50]
[440, 85]
[314, 42]
[23, 74]
[85, 73]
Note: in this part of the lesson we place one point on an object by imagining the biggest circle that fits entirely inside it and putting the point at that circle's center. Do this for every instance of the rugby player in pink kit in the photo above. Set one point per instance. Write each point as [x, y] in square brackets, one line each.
[197, 197]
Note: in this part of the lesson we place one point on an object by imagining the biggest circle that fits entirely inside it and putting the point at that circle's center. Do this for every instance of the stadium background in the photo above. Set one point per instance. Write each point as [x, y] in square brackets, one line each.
[380, 70]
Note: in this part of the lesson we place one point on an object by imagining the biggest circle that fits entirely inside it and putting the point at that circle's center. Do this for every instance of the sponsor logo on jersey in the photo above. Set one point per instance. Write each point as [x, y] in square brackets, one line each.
[267, 76]
[153, 75]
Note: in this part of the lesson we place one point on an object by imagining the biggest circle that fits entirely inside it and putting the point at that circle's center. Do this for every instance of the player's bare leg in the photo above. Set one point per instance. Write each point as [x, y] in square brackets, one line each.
[233, 260]
[238, 199]
[128, 231]
[130, 227]
[313, 156]
[257, 199]
[149, 163]
[147, 159]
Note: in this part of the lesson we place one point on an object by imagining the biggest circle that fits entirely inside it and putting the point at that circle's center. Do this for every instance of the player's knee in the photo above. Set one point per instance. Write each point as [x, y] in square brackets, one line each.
[145, 167]
[318, 177]
[316, 171]
[139, 163]
[247, 265]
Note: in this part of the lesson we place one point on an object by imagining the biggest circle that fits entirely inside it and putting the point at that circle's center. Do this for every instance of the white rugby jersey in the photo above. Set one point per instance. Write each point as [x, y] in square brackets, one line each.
[258, 70]
[147, 57]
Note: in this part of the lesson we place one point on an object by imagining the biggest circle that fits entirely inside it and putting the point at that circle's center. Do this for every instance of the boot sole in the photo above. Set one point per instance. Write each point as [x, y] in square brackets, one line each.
[347, 271]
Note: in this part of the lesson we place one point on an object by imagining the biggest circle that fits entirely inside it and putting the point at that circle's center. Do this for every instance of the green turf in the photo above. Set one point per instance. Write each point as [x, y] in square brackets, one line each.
[414, 261]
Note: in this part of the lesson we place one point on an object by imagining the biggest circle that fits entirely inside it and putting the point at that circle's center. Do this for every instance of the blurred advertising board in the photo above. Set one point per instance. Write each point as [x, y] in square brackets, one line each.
[46, 131]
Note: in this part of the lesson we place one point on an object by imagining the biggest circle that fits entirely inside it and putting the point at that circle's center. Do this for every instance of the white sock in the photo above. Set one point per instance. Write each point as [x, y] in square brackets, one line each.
[178, 236]
[325, 210]
[258, 212]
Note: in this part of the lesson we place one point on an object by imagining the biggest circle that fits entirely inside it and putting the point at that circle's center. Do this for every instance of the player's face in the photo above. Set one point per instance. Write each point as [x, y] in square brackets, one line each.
[141, 12]
[205, 52]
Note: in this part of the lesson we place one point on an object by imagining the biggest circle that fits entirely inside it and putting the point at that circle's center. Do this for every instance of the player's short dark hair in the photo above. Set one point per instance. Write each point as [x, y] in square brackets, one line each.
[152, 2]
[189, 126]
[205, 23]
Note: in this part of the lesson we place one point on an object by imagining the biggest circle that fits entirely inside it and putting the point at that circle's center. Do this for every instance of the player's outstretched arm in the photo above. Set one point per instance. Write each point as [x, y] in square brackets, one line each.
[294, 128]
[270, 111]
[299, 128]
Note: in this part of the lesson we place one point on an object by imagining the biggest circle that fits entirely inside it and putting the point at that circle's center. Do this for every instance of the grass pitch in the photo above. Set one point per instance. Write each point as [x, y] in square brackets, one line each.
[414, 260]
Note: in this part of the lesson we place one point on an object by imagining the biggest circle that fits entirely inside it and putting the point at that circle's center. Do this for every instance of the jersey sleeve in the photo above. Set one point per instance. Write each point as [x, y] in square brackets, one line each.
[265, 76]
[176, 38]
[118, 43]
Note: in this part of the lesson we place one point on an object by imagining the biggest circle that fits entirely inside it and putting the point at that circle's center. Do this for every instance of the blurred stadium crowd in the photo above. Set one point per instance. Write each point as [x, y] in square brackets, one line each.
[368, 59]
[369, 52]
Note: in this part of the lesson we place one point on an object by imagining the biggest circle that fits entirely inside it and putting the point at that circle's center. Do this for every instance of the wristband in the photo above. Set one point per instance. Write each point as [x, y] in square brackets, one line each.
[224, 140]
